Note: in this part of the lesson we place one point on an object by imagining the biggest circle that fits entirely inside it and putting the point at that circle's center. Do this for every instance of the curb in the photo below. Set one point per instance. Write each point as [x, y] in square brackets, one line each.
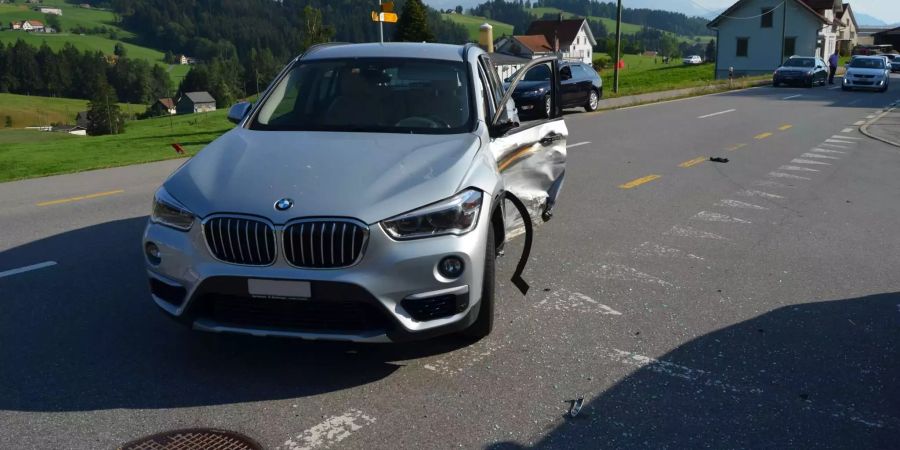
[631, 101]
[865, 128]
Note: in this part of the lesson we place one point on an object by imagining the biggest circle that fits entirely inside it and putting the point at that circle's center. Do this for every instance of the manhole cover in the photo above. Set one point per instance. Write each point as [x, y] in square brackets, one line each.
[194, 439]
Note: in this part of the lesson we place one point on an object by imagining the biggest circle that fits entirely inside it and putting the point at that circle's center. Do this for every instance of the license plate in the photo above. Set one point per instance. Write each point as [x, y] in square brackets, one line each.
[279, 289]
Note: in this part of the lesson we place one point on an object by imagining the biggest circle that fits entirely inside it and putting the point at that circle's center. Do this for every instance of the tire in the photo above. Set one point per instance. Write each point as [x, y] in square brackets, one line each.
[484, 324]
[593, 101]
[547, 106]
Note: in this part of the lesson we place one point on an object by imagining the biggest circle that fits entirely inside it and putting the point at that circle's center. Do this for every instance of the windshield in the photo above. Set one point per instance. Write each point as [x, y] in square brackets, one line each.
[868, 63]
[800, 62]
[538, 73]
[370, 95]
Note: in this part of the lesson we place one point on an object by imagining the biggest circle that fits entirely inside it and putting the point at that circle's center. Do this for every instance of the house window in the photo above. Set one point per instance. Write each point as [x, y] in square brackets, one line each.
[767, 17]
[790, 47]
[743, 44]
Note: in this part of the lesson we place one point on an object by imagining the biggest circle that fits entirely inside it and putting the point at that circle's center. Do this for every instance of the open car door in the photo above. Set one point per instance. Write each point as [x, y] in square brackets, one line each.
[531, 156]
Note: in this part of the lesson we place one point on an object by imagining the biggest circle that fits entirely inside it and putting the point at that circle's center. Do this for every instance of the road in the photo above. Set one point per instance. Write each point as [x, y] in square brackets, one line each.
[753, 303]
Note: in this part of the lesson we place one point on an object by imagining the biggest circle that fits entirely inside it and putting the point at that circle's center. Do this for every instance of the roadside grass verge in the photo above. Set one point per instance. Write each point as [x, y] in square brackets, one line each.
[144, 141]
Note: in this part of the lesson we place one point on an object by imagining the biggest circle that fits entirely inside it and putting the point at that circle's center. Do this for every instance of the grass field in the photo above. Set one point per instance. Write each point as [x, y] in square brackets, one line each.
[31, 110]
[87, 17]
[642, 75]
[25, 154]
[473, 22]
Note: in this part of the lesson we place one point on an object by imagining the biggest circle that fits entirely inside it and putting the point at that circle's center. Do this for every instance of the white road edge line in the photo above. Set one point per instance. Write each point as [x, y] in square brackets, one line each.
[837, 136]
[861, 122]
[847, 130]
[792, 96]
[717, 114]
[37, 266]
[578, 144]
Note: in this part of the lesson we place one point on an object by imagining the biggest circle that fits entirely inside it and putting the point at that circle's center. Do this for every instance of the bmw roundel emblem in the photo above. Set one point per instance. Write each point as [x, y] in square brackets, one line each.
[284, 204]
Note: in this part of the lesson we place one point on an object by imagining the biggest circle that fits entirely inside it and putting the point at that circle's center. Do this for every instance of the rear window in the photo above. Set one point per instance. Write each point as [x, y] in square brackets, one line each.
[800, 62]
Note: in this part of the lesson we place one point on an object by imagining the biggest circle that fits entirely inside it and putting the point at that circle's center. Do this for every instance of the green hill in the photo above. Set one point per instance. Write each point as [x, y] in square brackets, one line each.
[472, 23]
[76, 16]
[610, 24]
[31, 111]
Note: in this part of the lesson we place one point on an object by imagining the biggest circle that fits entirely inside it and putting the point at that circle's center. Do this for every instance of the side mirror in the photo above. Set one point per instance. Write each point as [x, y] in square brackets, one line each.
[237, 112]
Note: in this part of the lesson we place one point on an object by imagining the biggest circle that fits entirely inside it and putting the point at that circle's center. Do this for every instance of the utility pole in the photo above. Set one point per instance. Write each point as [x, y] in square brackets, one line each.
[380, 26]
[618, 47]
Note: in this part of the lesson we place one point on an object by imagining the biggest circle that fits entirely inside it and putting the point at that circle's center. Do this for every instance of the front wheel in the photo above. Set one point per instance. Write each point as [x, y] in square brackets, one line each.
[485, 322]
[547, 106]
[593, 101]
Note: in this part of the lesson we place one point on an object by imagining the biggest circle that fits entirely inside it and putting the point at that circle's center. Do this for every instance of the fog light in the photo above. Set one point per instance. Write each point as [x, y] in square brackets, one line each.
[451, 267]
[152, 252]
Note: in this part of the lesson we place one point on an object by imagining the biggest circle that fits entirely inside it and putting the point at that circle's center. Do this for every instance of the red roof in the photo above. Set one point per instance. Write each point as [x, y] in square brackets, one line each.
[536, 43]
[35, 23]
[565, 30]
[167, 102]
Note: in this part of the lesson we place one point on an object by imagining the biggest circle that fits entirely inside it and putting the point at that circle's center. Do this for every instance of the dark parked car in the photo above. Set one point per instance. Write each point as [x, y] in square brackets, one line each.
[807, 71]
[581, 85]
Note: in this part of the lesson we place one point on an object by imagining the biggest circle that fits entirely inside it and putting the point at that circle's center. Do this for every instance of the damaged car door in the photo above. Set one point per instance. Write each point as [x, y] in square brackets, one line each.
[530, 156]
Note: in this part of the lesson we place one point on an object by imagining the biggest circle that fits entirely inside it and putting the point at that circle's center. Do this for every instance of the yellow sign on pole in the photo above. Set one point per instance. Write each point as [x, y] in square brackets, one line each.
[384, 17]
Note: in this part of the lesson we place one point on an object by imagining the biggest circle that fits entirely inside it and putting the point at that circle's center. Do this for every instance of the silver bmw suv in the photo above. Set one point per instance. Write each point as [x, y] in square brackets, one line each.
[361, 198]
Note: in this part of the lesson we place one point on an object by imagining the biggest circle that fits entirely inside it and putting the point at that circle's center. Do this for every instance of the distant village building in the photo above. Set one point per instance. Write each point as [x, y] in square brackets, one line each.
[889, 37]
[572, 39]
[651, 53]
[33, 25]
[195, 102]
[15, 25]
[46, 10]
[163, 106]
[848, 30]
[185, 60]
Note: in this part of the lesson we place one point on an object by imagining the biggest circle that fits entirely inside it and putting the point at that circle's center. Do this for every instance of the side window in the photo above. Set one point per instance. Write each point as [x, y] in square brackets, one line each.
[565, 73]
[743, 45]
[767, 17]
[488, 95]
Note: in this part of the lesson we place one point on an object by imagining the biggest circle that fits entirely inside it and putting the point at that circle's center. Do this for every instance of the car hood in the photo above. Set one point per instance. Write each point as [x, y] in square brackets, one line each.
[862, 71]
[367, 176]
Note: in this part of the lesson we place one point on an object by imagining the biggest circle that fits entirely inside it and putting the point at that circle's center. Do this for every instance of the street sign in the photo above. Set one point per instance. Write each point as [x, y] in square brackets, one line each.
[388, 17]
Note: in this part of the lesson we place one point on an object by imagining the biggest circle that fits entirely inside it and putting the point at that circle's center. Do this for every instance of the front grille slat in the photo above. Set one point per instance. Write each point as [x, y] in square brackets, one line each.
[234, 240]
[323, 243]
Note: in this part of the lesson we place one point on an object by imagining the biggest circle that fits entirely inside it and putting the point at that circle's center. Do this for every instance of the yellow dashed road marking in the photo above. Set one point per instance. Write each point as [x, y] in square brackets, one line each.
[692, 162]
[639, 181]
[762, 135]
[735, 147]
[785, 127]
[82, 197]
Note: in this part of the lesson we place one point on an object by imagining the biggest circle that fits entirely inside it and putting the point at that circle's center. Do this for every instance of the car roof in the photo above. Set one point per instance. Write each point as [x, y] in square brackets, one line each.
[387, 50]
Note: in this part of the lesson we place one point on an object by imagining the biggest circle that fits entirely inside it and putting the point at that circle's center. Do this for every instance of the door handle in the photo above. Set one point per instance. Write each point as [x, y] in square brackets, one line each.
[551, 138]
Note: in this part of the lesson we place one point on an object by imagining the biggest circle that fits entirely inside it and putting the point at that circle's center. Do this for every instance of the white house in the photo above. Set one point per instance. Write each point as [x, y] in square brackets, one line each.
[755, 36]
[848, 30]
[33, 25]
[571, 38]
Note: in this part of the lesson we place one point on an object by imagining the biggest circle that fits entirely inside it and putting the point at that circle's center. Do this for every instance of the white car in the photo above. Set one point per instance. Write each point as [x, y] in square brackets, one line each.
[867, 72]
[694, 59]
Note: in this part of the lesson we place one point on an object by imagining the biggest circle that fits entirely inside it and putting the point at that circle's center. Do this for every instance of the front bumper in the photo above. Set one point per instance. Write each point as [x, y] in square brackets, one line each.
[382, 295]
[529, 105]
[865, 83]
[790, 78]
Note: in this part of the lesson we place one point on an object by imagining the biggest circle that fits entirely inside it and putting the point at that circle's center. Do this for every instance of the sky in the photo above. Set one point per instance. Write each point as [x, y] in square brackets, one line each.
[886, 10]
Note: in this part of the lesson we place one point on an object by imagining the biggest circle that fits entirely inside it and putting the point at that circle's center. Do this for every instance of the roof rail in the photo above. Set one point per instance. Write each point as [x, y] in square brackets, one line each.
[313, 48]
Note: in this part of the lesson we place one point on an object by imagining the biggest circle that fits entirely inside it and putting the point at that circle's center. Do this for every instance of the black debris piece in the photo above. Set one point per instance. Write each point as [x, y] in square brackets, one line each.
[718, 160]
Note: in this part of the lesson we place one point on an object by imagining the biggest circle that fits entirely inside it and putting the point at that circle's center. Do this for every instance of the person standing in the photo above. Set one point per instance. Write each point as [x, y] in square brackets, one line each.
[832, 67]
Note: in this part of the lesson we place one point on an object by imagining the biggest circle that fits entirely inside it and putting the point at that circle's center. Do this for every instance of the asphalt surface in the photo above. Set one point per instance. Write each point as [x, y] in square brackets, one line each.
[753, 303]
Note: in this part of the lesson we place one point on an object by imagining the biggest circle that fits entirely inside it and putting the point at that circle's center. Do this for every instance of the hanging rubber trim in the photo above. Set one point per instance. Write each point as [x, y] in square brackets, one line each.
[517, 279]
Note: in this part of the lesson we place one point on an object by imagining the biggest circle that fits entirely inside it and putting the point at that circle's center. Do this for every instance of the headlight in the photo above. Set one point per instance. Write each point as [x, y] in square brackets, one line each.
[456, 215]
[168, 211]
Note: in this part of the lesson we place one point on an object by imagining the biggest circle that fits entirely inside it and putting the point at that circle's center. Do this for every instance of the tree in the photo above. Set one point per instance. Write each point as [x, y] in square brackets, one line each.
[315, 31]
[120, 50]
[104, 115]
[711, 51]
[459, 9]
[413, 24]
[53, 22]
